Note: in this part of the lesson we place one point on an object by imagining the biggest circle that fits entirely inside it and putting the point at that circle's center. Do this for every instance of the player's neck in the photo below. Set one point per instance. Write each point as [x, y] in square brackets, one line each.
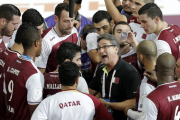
[18, 48]
[162, 25]
[30, 53]
[68, 88]
[125, 49]
[165, 79]
[150, 64]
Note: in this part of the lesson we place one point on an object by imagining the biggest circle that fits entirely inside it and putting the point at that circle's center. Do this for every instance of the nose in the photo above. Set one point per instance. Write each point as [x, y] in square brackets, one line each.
[71, 24]
[142, 25]
[80, 63]
[101, 32]
[16, 26]
[132, 5]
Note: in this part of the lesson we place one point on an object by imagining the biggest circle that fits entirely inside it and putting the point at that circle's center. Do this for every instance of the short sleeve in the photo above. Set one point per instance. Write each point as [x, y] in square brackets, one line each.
[41, 112]
[82, 85]
[149, 109]
[41, 61]
[35, 85]
[91, 41]
[162, 47]
[132, 83]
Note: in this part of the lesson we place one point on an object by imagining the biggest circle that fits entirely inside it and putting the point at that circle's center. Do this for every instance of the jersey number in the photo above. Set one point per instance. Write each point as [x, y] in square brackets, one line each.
[10, 89]
[177, 113]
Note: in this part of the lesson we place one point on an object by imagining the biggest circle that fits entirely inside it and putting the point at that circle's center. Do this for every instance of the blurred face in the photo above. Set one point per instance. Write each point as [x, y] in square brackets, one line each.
[11, 26]
[40, 28]
[126, 5]
[117, 33]
[147, 23]
[39, 47]
[103, 27]
[77, 59]
[65, 23]
[135, 6]
[107, 51]
[177, 69]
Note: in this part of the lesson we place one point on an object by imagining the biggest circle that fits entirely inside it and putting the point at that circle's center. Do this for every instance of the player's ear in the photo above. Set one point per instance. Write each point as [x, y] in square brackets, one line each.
[66, 60]
[3, 21]
[141, 57]
[156, 19]
[77, 80]
[36, 43]
[112, 23]
[56, 18]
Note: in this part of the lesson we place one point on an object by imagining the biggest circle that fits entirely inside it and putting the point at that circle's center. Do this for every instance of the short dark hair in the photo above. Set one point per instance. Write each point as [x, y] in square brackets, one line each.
[68, 73]
[27, 34]
[67, 50]
[8, 10]
[112, 40]
[88, 29]
[60, 7]
[121, 23]
[32, 16]
[78, 1]
[151, 10]
[101, 15]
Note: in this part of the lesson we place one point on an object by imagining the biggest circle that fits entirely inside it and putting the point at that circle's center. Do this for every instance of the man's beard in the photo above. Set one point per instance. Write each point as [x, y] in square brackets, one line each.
[6, 32]
[62, 30]
[129, 13]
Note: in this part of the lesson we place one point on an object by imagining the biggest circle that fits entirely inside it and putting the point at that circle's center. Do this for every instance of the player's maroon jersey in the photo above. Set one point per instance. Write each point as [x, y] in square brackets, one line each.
[171, 35]
[52, 84]
[23, 87]
[166, 98]
[2, 46]
[6, 57]
[50, 43]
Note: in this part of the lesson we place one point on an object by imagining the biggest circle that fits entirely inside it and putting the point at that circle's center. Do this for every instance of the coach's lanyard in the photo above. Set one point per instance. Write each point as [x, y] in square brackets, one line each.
[110, 87]
[27, 57]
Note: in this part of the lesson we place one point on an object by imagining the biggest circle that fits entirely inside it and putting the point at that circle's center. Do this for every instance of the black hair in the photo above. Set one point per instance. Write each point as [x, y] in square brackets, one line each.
[8, 10]
[32, 16]
[151, 10]
[67, 50]
[88, 29]
[78, 1]
[101, 15]
[60, 7]
[27, 35]
[121, 23]
[68, 73]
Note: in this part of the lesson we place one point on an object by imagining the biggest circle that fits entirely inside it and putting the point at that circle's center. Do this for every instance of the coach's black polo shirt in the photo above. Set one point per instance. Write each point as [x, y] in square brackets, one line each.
[122, 89]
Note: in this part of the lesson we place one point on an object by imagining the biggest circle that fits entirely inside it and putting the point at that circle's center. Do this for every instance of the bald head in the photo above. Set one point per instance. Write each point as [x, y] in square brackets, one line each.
[165, 64]
[147, 48]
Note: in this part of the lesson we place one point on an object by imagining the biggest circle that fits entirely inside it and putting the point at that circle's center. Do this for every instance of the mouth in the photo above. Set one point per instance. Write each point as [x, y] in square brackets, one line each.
[104, 57]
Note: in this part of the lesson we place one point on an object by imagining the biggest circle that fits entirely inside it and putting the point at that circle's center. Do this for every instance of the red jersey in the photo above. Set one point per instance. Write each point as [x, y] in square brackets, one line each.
[50, 43]
[163, 103]
[171, 35]
[23, 85]
[52, 84]
[6, 57]
[2, 46]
